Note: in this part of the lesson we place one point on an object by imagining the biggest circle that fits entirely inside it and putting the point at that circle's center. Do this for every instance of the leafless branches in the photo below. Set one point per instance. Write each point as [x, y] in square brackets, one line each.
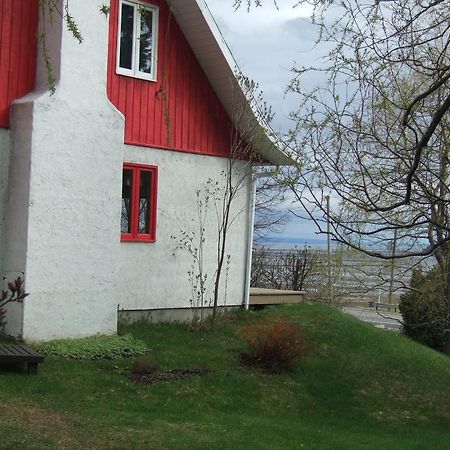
[375, 135]
[282, 269]
[270, 192]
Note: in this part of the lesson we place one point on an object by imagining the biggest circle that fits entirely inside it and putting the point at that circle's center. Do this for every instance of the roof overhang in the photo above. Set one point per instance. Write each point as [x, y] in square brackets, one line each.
[216, 60]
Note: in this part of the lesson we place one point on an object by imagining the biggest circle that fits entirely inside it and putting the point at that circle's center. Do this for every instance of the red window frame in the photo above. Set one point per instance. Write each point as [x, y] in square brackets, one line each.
[134, 235]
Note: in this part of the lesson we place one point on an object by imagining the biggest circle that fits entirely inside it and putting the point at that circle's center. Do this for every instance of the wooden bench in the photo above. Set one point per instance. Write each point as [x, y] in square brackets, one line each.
[380, 305]
[17, 353]
[261, 297]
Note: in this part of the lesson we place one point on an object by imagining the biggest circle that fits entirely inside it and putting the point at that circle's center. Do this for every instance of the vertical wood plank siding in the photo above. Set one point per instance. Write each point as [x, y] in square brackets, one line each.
[18, 47]
[180, 111]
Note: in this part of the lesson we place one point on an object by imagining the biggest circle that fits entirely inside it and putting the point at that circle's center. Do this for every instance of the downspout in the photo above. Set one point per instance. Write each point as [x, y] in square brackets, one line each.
[251, 223]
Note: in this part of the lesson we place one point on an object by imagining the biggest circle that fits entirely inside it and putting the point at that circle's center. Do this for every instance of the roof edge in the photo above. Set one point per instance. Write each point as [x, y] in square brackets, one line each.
[208, 44]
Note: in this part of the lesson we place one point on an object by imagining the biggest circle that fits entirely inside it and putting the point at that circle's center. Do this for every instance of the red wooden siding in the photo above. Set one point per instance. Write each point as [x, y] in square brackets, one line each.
[180, 111]
[18, 47]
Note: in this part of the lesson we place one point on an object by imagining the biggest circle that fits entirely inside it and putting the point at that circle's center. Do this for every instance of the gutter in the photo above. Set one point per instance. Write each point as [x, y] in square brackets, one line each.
[250, 233]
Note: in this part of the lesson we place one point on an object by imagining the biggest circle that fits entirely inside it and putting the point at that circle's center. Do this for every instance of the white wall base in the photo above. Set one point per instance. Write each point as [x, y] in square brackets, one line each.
[181, 315]
[155, 275]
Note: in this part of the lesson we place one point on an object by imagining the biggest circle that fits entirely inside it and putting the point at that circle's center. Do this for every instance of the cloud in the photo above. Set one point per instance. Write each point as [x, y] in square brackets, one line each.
[267, 43]
[265, 15]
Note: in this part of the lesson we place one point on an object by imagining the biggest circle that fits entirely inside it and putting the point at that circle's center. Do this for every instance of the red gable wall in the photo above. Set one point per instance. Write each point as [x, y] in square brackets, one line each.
[179, 111]
[18, 46]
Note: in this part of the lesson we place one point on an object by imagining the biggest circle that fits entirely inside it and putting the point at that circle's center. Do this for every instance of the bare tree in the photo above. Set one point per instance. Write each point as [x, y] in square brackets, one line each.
[270, 216]
[282, 269]
[244, 144]
[375, 134]
[221, 194]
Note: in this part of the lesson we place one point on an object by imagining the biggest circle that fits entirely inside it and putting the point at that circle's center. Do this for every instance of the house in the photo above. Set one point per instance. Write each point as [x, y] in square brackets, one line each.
[96, 179]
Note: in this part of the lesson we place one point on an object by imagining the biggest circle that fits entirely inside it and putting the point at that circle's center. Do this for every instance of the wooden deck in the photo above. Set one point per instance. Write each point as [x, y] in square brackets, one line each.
[15, 353]
[265, 297]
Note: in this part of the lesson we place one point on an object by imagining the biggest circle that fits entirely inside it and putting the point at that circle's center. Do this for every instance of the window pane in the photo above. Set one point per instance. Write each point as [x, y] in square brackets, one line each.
[127, 189]
[126, 37]
[144, 202]
[146, 42]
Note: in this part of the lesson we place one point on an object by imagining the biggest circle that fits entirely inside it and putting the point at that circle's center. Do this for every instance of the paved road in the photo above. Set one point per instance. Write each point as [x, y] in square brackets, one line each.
[387, 320]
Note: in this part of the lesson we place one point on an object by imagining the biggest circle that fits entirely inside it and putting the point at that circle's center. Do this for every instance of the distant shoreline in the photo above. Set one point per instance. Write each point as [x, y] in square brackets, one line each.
[287, 241]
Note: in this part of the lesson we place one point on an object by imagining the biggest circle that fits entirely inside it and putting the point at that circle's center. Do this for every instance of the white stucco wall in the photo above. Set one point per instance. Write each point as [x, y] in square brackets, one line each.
[75, 186]
[155, 275]
[64, 205]
[16, 224]
[5, 147]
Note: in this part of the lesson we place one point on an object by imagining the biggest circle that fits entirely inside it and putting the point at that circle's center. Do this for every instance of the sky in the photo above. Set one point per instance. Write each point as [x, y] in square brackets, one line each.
[266, 43]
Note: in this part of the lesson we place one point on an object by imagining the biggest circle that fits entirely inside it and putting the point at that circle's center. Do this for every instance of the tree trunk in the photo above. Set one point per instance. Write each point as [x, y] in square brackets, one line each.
[446, 346]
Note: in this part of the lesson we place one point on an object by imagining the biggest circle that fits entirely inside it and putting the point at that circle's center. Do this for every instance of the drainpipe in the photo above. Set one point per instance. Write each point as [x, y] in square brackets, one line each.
[251, 223]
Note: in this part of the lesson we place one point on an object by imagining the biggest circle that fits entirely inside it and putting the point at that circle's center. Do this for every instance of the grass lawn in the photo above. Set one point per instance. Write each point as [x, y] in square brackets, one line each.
[360, 388]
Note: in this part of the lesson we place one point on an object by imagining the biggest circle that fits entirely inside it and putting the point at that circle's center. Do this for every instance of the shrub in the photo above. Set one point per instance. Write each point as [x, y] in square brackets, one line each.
[144, 366]
[274, 345]
[95, 347]
[425, 308]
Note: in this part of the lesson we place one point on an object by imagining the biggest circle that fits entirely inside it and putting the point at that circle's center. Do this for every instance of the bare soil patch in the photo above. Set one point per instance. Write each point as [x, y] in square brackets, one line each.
[168, 375]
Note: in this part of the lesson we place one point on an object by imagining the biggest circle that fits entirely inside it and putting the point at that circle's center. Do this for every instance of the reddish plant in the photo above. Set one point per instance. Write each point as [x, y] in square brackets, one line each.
[14, 293]
[274, 345]
[144, 366]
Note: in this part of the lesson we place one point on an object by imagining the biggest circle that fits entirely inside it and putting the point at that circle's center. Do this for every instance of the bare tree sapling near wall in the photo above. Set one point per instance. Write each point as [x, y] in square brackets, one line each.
[220, 195]
[283, 269]
[270, 215]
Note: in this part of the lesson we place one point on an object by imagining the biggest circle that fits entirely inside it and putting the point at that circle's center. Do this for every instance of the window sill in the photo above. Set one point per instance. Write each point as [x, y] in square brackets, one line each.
[134, 239]
[138, 76]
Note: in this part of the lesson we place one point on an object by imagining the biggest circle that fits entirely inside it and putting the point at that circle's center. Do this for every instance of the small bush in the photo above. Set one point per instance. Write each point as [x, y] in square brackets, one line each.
[274, 345]
[14, 293]
[425, 308]
[144, 366]
[95, 347]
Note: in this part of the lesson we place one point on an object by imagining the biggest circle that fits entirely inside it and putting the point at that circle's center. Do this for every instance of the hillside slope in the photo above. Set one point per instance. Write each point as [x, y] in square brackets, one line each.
[359, 388]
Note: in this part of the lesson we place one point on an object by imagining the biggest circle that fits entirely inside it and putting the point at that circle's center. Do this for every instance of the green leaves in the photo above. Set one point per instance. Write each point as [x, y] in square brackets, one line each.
[95, 347]
[72, 25]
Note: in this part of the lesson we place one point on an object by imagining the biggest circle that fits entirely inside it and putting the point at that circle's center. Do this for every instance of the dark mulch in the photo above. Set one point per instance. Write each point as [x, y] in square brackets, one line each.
[174, 374]
[266, 366]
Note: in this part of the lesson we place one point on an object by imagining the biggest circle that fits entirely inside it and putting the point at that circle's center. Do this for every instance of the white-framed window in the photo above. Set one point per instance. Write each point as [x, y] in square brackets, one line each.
[137, 40]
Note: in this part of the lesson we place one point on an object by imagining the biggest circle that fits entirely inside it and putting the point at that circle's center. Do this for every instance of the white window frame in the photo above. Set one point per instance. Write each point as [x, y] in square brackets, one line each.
[134, 71]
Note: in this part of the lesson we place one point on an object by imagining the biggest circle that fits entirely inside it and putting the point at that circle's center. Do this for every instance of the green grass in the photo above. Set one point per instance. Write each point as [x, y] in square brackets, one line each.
[360, 388]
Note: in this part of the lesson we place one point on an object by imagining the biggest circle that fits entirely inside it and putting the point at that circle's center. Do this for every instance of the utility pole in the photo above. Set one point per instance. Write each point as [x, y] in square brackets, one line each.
[391, 280]
[330, 286]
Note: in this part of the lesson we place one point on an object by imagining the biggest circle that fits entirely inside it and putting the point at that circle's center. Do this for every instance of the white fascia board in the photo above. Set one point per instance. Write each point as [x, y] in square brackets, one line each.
[216, 60]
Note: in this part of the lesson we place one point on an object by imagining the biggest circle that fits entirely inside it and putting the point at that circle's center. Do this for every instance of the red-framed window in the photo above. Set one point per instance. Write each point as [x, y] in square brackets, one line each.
[139, 202]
